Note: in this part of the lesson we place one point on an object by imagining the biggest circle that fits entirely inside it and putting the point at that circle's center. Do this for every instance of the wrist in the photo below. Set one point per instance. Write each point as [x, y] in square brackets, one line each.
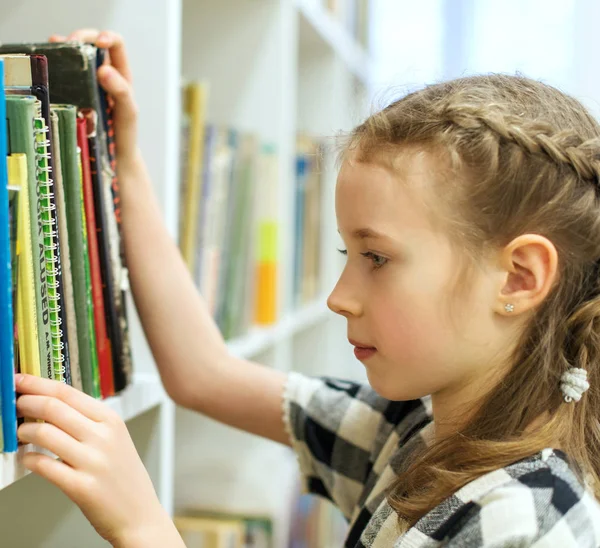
[157, 533]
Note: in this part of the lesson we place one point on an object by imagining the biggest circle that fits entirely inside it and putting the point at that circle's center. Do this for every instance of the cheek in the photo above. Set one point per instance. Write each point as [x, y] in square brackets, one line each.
[418, 344]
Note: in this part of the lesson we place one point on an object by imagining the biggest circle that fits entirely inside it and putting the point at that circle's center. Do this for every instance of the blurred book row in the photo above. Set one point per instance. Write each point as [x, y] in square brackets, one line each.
[63, 279]
[314, 523]
[213, 529]
[354, 16]
[232, 208]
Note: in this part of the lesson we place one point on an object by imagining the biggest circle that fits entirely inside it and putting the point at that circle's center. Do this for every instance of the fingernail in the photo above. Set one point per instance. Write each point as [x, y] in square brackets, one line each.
[18, 378]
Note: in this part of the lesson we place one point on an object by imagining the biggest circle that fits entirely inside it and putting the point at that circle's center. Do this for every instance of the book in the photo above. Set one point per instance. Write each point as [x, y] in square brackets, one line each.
[28, 74]
[267, 253]
[103, 345]
[70, 167]
[72, 76]
[198, 532]
[49, 238]
[21, 112]
[122, 358]
[63, 232]
[195, 104]
[238, 271]
[215, 218]
[26, 305]
[7, 379]
[208, 527]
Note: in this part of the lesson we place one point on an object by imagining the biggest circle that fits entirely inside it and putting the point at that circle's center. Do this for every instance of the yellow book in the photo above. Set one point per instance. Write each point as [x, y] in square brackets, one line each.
[195, 98]
[199, 532]
[26, 304]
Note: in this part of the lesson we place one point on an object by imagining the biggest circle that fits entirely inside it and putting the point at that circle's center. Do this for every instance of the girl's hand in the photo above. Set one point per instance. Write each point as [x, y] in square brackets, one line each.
[115, 78]
[99, 470]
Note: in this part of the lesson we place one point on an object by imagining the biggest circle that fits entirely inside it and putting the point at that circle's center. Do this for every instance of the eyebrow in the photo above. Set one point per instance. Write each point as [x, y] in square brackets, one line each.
[364, 233]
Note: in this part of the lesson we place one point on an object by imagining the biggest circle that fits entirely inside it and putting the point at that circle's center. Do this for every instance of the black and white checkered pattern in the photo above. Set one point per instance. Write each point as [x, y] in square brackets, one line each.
[351, 443]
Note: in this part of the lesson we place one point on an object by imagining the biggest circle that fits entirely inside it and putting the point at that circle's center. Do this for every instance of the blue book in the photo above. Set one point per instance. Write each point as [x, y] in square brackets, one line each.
[302, 172]
[7, 356]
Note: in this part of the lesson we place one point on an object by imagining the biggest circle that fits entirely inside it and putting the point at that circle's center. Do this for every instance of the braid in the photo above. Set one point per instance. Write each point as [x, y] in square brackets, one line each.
[536, 137]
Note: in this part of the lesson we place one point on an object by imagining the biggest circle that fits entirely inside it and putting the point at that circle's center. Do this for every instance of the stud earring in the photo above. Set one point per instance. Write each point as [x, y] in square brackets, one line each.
[509, 307]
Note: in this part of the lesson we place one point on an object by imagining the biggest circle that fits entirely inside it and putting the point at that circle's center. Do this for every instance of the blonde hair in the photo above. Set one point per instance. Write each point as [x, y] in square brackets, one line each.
[516, 156]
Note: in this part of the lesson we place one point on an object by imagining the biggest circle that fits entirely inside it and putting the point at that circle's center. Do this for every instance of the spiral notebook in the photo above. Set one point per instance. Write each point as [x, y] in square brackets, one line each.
[47, 207]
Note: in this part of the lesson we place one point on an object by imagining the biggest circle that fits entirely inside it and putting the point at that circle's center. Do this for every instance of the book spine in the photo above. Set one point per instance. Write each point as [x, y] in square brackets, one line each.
[267, 241]
[95, 373]
[122, 357]
[55, 369]
[27, 326]
[102, 341]
[7, 380]
[41, 92]
[68, 300]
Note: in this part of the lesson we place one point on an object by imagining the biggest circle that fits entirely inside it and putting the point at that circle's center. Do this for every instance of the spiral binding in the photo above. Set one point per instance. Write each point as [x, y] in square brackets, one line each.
[50, 223]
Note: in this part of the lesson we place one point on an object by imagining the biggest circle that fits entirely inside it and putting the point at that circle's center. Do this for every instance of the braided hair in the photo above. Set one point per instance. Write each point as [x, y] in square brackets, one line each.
[515, 156]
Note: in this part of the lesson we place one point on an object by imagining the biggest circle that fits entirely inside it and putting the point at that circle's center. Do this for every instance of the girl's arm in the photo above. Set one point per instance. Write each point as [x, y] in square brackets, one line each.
[194, 363]
[99, 468]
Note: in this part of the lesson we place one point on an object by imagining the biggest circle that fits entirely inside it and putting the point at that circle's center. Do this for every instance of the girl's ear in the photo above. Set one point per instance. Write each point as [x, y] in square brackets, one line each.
[530, 264]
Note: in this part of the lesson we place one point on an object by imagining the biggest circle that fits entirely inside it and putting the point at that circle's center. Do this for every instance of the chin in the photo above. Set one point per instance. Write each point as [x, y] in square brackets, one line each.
[392, 391]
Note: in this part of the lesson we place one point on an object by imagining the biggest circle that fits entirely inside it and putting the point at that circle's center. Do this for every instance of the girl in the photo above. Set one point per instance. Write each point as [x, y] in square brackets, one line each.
[470, 211]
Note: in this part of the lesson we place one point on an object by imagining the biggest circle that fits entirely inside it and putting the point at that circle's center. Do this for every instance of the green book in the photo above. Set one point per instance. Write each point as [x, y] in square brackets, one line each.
[72, 185]
[21, 111]
[45, 193]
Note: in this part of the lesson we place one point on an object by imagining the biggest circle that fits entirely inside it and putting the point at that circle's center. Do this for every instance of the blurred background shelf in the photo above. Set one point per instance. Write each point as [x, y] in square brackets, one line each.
[319, 27]
[262, 339]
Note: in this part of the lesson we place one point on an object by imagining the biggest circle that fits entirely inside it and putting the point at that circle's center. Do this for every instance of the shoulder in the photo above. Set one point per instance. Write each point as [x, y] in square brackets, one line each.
[535, 502]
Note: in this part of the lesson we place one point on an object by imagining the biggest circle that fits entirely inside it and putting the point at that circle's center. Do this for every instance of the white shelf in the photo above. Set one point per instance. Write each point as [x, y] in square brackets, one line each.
[261, 339]
[317, 24]
[144, 393]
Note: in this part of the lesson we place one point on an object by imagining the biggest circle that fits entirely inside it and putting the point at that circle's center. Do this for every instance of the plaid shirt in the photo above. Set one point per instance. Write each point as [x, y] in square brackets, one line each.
[351, 443]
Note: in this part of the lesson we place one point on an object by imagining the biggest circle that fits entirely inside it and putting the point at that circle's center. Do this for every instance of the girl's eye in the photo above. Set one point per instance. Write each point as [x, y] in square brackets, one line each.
[377, 260]
[343, 251]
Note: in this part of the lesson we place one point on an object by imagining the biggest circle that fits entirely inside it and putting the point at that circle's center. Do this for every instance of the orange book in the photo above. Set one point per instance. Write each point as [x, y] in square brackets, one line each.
[265, 310]
[103, 346]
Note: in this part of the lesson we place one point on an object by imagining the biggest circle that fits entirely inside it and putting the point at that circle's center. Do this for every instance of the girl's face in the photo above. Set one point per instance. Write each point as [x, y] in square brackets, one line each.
[397, 287]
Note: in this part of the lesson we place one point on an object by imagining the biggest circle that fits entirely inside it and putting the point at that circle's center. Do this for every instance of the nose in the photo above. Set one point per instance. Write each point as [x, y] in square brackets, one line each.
[343, 299]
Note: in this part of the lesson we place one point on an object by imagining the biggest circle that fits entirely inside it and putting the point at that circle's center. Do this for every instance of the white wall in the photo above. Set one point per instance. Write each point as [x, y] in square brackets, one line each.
[550, 40]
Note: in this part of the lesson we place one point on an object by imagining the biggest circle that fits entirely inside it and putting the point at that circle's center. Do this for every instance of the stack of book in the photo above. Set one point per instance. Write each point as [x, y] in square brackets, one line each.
[63, 277]
[307, 228]
[229, 226]
[354, 16]
[222, 530]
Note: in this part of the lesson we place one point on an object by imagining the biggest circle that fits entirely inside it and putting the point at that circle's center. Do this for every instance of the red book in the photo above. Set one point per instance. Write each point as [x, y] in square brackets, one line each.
[105, 365]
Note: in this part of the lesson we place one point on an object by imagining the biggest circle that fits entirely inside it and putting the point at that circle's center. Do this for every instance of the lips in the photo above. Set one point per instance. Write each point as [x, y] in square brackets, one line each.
[362, 351]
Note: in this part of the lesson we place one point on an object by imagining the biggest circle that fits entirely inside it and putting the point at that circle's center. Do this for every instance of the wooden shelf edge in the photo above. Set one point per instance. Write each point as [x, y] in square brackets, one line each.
[143, 394]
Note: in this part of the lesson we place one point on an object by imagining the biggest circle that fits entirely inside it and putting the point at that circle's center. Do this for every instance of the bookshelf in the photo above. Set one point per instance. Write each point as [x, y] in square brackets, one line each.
[275, 67]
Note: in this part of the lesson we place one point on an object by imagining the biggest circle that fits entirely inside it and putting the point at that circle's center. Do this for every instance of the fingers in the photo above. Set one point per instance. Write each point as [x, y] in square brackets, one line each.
[86, 405]
[53, 439]
[116, 49]
[84, 35]
[58, 473]
[56, 412]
